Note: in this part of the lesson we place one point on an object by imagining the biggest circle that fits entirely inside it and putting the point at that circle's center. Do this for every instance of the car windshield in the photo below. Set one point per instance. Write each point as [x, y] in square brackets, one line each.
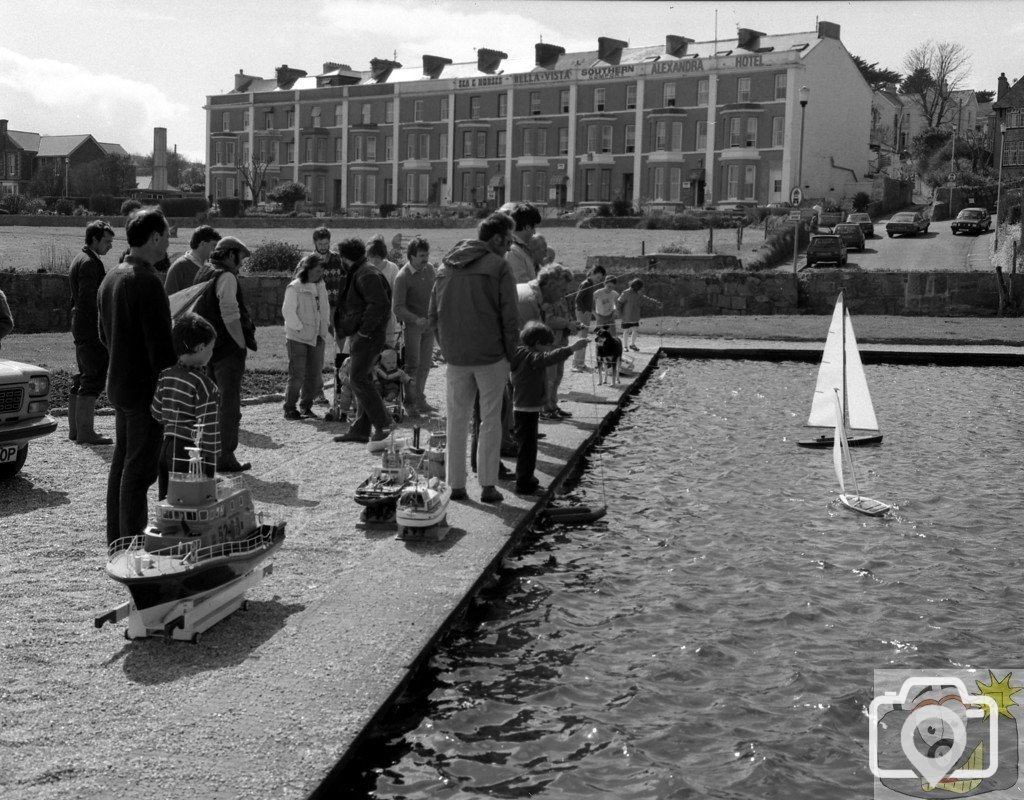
[858, 218]
[971, 213]
[847, 229]
[824, 239]
[903, 218]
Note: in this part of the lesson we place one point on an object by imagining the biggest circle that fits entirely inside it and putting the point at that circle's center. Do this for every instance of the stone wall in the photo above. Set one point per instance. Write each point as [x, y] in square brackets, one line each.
[41, 302]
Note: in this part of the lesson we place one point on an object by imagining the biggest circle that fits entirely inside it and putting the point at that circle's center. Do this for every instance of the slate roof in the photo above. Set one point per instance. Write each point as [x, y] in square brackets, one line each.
[55, 146]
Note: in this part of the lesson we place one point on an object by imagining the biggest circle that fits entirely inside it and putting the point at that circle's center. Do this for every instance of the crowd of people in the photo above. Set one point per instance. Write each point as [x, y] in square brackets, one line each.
[171, 349]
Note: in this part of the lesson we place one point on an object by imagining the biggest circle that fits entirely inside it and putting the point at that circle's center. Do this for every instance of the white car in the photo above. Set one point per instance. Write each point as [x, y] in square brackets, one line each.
[24, 407]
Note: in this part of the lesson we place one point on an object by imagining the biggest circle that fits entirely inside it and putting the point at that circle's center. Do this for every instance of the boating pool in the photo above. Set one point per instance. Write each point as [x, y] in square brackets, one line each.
[715, 635]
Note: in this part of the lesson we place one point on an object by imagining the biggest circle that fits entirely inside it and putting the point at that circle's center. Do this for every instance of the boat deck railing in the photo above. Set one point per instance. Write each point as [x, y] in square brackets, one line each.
[190, 553]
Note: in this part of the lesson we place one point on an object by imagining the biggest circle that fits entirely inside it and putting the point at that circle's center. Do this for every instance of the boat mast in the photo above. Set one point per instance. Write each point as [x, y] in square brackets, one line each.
[846, 410]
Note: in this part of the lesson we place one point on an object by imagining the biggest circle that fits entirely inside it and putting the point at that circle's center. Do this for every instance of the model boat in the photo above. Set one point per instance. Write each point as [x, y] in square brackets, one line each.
[192, 567]
[385, 483]
[422, 505]
[841, 369]
[842, 461]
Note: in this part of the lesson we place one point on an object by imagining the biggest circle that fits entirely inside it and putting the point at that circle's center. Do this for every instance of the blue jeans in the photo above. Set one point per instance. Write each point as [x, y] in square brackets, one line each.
[363, 354]
[305, 373]
[227, 374]
[133, 469]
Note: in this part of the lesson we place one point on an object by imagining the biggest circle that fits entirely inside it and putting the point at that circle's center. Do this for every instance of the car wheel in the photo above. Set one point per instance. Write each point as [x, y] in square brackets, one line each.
[890, 235]
[12, 468]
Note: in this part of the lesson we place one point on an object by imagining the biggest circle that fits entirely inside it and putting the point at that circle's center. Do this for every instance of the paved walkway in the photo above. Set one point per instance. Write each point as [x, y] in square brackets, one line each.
[274, 696]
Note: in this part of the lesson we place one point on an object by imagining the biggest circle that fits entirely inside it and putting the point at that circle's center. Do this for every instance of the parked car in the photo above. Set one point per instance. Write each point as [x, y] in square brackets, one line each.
[24, 403]
[736, 210]
[907, 223]
[826, 247]
[972, 220]
[851, 234]
[864, 220]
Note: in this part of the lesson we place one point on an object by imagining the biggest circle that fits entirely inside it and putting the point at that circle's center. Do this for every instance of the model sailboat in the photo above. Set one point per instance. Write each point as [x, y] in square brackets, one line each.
[843, 462]
[841, 369]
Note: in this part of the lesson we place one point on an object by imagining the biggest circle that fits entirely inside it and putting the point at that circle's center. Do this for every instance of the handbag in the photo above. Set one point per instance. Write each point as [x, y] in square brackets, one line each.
[188, 299]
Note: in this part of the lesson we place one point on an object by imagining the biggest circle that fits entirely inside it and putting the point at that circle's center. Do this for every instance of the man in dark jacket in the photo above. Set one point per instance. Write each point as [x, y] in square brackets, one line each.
[84, 279]
[473, 308]
[135, 327]
[362, 314]
[223, 306]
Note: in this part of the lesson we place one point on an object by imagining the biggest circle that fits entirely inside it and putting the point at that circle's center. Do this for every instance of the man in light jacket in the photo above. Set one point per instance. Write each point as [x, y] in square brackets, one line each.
[307, 324]
[473, 309]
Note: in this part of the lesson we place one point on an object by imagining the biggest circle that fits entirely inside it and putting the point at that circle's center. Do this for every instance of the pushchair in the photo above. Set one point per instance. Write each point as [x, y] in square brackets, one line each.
[343, 406]
[391, 379]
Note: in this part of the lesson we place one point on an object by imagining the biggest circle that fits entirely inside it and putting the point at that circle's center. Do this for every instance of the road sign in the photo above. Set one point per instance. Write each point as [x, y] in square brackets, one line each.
[795, 216]
[952, 177]
[796, 197]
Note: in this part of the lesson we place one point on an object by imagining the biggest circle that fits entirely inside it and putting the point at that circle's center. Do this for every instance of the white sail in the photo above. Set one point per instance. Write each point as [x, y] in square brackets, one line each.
[842, 459]
[841, 355]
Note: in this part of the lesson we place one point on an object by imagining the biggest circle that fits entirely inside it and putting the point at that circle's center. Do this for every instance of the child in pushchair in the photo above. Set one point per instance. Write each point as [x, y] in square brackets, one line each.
[392, 382]
[344, 403]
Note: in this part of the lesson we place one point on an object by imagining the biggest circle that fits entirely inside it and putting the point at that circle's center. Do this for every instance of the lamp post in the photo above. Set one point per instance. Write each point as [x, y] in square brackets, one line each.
[805, 95]
[999, 185]
[67, 164]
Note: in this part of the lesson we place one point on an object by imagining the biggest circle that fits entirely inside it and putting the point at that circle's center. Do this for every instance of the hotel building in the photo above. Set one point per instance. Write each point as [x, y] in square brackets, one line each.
[682, 123]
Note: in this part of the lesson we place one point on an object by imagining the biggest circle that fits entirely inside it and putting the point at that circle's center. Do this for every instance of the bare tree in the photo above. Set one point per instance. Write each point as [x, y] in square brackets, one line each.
[935, 70]
[254, 173]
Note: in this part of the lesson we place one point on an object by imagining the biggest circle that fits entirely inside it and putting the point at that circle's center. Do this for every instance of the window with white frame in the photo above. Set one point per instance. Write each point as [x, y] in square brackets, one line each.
[389, 112]
[743, 90]
[467, 144]
[599, 96]
[563, 101]
[675, 176]
[410, 146]
[230, 187]
[268, 120]
[218, 153]
[702, 91]
[631, 138]
[702, 135]
[424, 187]
[732, 181]
[339, 150]
[780, 86]
[735, 134]
[669, 95]
[467, 187]
[677, 136]
[659, 183]
[289, 153]
[474, 107]
[321, 150]
[751, 140]
[417, 111]
[289, 118]
[366, 113]
[606, 138]
[371, 148]
[527, 184]
[749, 180]
[542, 141]
[226, 121]
[245, 119]
[481, 144]
[442, 145]
[389, 149]
[358, 182]
[314, 116]
[357, 148]
[563, 141]
[592, 133]
[339, 115]
[275, 152]
[660, 134]
[321, 189]
[606, 184]
[410, 187]
[1014, 118]
[308, 149]
[503, 105]
[631, 95]
[371, 189]
[229, 152]
[778, 131]
[501, 144]
[534, 103]
[424, 145]
[444, 108]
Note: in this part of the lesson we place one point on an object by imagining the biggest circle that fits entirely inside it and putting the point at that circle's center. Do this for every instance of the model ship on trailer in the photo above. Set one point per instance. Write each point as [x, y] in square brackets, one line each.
[841, 369]
[192, 568]
[379, 493]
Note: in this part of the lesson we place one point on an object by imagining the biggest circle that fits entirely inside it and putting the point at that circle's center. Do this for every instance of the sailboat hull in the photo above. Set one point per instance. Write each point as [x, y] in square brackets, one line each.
[853, 439]
[864, 505]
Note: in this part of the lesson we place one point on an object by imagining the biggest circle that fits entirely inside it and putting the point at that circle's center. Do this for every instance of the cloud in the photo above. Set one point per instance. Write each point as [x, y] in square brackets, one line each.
[113, 108]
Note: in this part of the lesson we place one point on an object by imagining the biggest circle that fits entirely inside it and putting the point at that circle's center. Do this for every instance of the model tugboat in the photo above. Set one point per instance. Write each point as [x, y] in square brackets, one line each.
[193, 567]
[379, 493]
[423, 509]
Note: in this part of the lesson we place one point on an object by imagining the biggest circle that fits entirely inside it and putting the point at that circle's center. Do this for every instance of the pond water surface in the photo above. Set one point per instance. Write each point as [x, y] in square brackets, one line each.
[715, 635]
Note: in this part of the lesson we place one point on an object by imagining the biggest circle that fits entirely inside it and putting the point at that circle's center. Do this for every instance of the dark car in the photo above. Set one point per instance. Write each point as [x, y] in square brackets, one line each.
[972, 220]
[907, 223]
[851, 234]
[864, 220]
[826, 247]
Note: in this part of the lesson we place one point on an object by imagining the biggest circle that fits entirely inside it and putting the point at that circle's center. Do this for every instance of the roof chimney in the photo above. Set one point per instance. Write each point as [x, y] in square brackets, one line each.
[676, 45]
[3, 127]
[749, 39]
[159, 180]
[333, 66]
[1003, 87]
[489, 60]
[546, 55]
[381, 68]
[286, 75]
[828, 30]
[610, 50]
[242, 81]
[434, 65]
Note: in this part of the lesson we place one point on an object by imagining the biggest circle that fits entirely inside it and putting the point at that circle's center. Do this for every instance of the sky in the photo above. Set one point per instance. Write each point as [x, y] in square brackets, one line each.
[119, 68]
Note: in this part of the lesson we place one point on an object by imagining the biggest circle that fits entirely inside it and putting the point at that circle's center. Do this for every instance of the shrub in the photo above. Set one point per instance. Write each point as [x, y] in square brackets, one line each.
[64, 206]
[1014, 215]
[230, 206]
[604, 210]
[274, 257]
[940, 211]
[14, 203]
[861, 201]
[662, 220]
[128, 206]
[288, 194]
[676, 248]
[185, 206]
[387, 209]
[35, 205]
[778, 248]
[103, 204]
[621, 207]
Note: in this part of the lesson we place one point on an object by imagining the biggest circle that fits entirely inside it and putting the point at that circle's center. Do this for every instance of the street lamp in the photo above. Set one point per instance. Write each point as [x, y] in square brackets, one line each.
[805, 95]
[999, 184]
[67, 163]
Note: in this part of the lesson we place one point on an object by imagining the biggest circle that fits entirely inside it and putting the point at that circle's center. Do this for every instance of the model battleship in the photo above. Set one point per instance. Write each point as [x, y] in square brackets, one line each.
[192, 568]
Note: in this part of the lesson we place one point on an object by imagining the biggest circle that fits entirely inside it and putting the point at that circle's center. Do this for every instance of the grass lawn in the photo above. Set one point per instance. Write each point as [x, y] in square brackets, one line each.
[24, 248]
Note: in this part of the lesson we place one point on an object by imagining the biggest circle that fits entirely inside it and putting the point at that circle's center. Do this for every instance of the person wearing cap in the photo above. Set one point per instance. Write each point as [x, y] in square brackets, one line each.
[236, 334]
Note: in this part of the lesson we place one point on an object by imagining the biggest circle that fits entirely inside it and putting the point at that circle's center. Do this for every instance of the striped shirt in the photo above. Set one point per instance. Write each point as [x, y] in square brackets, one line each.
[186, 402]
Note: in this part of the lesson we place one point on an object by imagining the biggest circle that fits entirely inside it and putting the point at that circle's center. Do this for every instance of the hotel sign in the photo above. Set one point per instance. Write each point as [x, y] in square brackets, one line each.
[611, 72]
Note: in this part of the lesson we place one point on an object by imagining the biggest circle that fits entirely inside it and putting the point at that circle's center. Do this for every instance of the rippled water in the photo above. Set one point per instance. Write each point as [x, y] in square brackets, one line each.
[715, 634]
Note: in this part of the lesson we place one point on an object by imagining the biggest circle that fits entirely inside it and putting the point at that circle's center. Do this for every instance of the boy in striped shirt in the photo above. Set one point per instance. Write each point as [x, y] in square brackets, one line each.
[185, 402]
